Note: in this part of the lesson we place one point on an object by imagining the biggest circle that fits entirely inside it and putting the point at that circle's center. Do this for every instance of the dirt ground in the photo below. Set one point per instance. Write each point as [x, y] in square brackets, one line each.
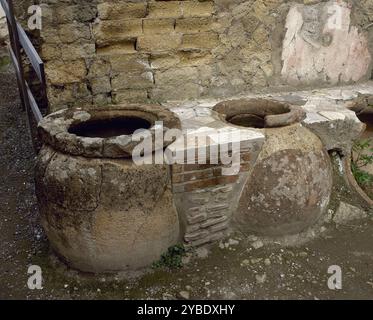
[234, 271]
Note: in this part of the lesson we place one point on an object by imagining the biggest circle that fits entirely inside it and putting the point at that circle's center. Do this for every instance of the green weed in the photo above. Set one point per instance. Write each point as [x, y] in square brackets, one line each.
[362, 156]
[172, 258]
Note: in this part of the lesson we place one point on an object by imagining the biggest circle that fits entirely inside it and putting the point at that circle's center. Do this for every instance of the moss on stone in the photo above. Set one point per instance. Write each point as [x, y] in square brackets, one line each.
[4, 62]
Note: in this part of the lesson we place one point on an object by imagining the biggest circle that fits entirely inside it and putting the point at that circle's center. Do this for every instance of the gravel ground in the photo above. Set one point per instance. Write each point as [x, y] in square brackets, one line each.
[238, 269]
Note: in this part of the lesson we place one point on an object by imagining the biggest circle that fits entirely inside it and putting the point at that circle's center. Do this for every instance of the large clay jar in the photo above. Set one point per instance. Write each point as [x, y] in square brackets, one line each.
[289, 186]
[100, 210]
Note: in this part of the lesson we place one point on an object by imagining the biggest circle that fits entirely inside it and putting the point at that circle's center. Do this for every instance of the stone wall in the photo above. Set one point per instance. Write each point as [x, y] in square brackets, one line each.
[3, 28]
[111, 51]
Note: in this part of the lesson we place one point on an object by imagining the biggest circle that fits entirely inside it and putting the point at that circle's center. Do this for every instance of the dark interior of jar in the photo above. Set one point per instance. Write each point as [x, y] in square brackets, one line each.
[255, 117]
[368, 120]
[247, 120]
[110, 127]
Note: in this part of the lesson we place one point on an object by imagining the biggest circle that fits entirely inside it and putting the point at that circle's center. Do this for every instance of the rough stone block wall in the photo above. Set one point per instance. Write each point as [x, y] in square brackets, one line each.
[111, 51]
[3, 28]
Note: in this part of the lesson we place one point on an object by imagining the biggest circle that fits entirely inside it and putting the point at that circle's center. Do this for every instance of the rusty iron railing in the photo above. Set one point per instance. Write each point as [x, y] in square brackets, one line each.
[19, 42]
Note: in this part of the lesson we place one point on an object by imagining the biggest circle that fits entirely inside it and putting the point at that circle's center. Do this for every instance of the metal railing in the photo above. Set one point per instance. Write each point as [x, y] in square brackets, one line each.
[19, 42]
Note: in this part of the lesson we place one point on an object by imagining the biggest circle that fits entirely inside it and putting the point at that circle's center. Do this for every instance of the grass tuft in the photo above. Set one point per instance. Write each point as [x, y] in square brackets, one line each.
[362, 156]
[172, 259]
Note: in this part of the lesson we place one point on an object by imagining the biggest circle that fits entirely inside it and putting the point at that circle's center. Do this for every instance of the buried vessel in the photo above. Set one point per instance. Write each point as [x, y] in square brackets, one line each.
[290, 184]
[101, 211]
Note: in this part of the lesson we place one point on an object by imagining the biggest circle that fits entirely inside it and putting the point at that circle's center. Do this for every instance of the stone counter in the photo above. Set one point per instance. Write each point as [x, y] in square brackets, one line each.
[207, 199]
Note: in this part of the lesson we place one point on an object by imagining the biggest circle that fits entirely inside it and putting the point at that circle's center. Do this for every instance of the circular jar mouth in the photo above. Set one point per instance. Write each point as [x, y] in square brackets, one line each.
[110, 132]
[260, 113]
[109, 127]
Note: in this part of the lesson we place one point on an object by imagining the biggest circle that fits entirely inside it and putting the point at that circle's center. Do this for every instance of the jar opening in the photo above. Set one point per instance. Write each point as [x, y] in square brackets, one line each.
[259, 113]
[247, 120]
[109, 127]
